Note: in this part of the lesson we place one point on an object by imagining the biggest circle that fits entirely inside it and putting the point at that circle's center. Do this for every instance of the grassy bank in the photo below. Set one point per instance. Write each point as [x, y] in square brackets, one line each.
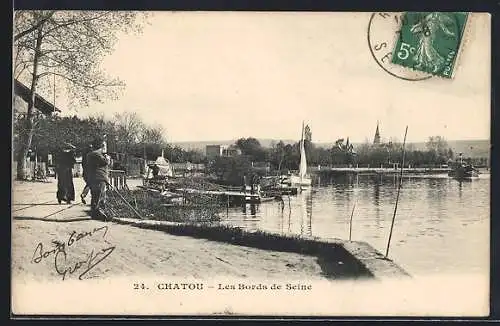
[198, 217]
[337, 259]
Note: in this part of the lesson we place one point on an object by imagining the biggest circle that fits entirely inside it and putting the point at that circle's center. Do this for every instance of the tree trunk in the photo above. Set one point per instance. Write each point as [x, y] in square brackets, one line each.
[26, 135]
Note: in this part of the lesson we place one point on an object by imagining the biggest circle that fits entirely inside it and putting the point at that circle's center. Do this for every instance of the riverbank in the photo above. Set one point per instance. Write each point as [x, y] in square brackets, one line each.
[162, 248]
[38, 219]
[141, 268]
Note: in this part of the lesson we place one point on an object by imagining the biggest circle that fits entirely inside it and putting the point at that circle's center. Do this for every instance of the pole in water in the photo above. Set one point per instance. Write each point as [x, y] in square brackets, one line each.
[350, 221]
[397, 196]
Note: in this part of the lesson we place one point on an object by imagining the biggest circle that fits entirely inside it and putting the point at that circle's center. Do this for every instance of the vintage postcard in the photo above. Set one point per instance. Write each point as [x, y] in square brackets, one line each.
[251, 163]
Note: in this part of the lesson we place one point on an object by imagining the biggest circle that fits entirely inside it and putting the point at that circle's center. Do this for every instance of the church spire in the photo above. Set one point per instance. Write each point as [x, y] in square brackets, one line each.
[376, 139]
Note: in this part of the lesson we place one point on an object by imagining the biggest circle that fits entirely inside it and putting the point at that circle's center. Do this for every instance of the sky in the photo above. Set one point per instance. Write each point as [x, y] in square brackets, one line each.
[226, 75]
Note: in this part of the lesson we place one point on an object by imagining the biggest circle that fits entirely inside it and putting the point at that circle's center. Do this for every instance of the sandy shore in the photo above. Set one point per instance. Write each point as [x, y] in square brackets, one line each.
[120, 250]
[112, 258]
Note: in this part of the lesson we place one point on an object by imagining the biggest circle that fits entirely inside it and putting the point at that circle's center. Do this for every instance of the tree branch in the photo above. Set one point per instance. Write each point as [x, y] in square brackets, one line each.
[72, 22]
[34, 27]
[65, 64]
[76, 82]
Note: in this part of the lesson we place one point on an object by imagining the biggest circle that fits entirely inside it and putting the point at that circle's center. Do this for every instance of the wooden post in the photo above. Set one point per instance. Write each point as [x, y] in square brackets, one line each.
[350, 221]
[35, 168]
[397, 196]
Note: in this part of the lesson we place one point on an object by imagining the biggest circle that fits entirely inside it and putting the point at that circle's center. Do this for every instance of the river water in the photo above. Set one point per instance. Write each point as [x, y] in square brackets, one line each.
[442, 225]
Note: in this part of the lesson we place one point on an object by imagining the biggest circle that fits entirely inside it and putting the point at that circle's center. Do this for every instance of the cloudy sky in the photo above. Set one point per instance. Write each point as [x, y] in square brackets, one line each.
[218, 76]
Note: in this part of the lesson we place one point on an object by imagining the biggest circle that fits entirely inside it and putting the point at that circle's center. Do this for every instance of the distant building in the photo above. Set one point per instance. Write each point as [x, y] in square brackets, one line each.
[214, 151]
[376, 138]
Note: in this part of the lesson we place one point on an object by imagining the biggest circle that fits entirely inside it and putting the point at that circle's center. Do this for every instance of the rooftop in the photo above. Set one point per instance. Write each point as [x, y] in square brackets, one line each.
[41, 104]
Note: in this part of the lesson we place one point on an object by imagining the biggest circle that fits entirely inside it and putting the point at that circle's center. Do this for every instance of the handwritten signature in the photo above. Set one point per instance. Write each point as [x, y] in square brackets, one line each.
[60, 256]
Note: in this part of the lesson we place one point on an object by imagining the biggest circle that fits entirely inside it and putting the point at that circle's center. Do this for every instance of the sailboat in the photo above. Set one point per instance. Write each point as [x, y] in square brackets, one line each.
[301, 180]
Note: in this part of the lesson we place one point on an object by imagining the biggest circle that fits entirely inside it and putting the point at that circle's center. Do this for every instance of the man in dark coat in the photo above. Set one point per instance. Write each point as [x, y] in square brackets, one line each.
[97, 175]
[64, 166]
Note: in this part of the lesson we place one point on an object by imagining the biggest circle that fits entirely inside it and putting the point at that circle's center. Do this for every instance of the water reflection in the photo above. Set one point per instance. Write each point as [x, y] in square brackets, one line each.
[376, 193]
[309, 202]
[441, 223]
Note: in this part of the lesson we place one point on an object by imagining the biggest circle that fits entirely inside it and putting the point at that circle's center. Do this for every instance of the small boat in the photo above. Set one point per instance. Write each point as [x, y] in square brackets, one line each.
[302, 180]
[462, 170]
[277, 186]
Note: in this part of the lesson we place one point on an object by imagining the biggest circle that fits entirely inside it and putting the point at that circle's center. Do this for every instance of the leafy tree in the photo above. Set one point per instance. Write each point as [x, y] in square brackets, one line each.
[67, 46]
[194, 156]
[291, 159]
[277, 155]
[52, 131]
[231, 170]
[252, 148]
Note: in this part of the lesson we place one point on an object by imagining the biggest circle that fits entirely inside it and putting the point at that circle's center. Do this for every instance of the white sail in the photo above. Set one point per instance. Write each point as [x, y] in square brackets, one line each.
[301, 179]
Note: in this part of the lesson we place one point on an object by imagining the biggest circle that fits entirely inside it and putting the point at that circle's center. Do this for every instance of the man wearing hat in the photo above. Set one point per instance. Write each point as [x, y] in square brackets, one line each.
[97, 175]
[64, 166]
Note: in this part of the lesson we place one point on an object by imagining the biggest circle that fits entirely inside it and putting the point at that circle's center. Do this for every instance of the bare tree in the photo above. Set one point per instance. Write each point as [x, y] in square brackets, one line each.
[437, 144]
[128, 129]
[68, 46]
[153, 135]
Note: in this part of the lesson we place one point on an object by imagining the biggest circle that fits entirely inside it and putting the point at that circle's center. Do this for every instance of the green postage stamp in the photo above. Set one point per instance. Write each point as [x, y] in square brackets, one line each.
[430, 41]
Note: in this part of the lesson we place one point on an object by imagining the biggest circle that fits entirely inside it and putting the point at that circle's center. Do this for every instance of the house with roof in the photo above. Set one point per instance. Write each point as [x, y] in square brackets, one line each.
[22, 92]
[21, 98]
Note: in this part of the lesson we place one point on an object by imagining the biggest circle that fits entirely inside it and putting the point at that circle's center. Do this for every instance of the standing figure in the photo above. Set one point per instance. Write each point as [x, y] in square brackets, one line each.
[64, 167]
[86, 189]
[156, 171]
[97, 175]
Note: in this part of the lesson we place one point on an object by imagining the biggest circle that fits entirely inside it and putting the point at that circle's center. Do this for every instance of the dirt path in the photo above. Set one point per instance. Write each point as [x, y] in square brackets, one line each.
[137, 252]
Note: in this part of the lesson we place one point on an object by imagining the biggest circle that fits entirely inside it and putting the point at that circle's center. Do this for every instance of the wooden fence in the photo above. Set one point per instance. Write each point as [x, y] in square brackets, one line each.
[118, 179]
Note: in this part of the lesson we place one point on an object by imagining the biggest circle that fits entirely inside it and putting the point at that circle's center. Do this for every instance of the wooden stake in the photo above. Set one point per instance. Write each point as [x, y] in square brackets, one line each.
[397, 196]
[350, 221]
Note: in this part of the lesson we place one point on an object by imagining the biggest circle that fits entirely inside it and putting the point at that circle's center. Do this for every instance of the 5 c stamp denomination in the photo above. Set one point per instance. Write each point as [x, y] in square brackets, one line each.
[383, 33]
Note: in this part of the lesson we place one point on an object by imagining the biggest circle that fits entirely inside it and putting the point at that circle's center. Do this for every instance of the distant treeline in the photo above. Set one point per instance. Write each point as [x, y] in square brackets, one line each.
[127, 133]
[283, 156]
[257, 160]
